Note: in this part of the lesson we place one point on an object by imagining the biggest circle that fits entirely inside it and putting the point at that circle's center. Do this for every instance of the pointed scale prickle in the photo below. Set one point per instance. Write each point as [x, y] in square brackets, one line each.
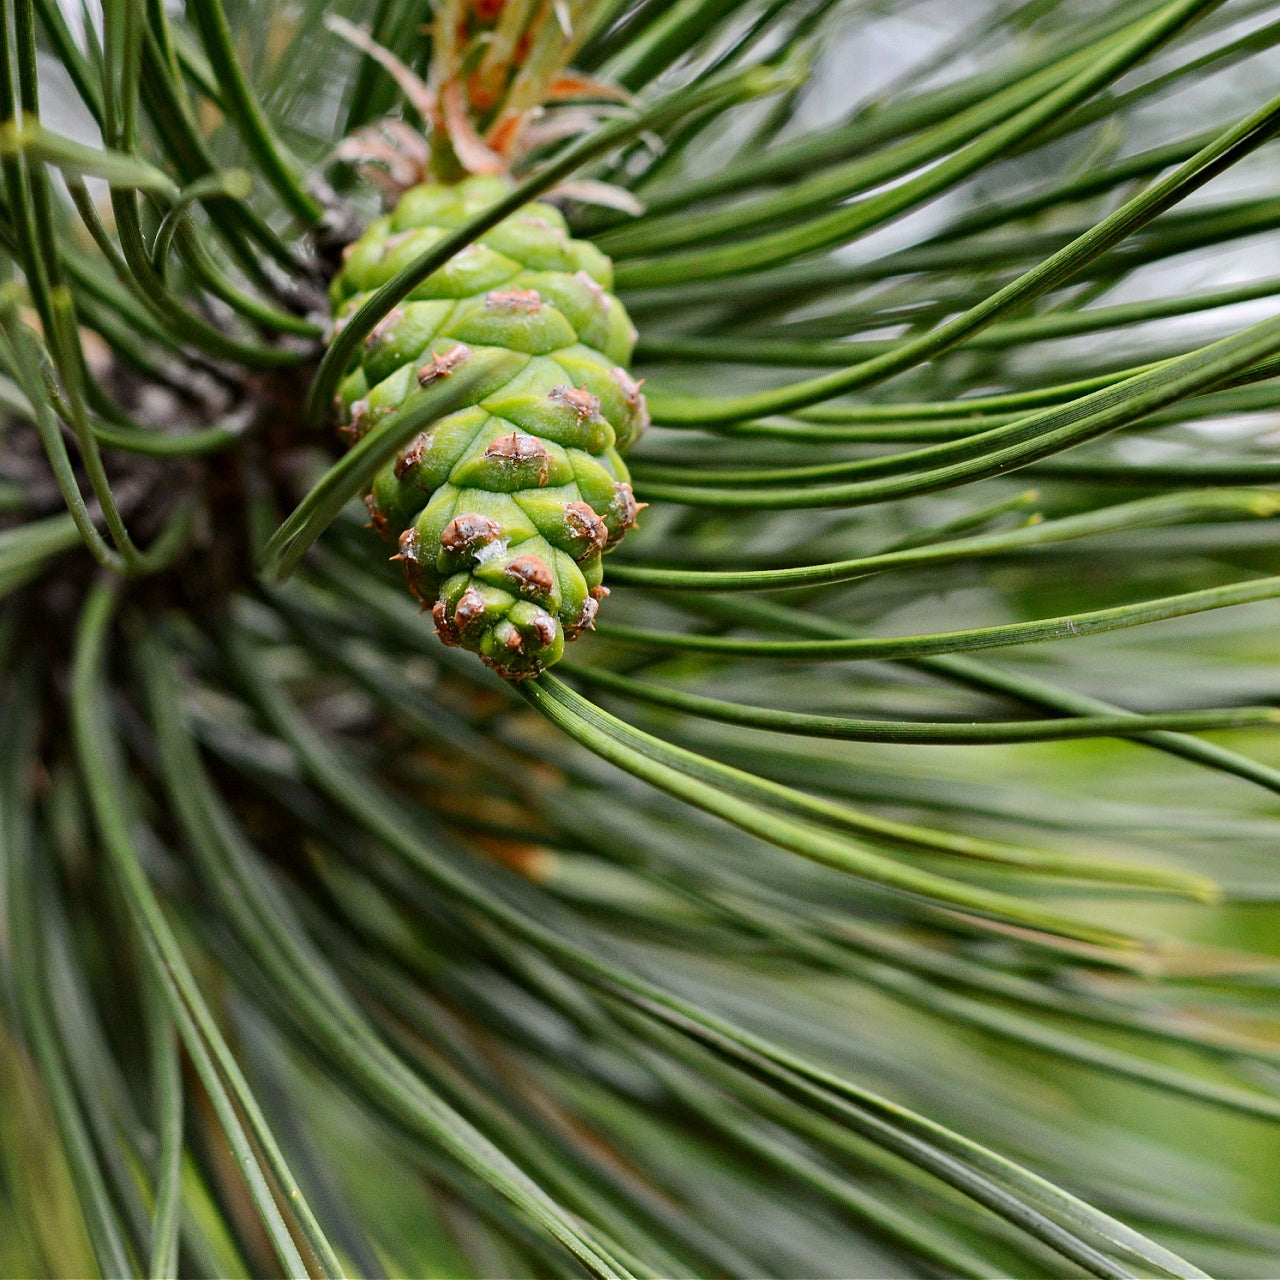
[503, 509]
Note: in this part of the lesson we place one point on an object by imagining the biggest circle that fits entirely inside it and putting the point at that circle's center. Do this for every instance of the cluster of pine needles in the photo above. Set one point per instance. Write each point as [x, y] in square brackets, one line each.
[887, 887]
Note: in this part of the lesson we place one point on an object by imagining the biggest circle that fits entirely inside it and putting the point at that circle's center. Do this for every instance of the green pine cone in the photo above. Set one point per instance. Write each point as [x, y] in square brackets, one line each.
[502, 509]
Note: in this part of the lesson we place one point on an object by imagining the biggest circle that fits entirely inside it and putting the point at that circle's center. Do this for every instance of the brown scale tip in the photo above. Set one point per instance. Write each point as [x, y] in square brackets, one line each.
[469, 609]
[409, 563]
[354, 427]
[585, 621]
[468, 532]
[412, 455]
[545, 626]
[624, 508]
[527, 300]
[596, 288]
[579, 399]
[383, 327]
[634, 397]
[583, 522]
[517, 448]
[530, 573]
[444, 628]
[442, 365]
[409, 544]
[630, 387]
[377, 520]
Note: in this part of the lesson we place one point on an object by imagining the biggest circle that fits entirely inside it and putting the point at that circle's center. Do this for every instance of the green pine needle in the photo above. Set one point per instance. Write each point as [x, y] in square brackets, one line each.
[888, 885]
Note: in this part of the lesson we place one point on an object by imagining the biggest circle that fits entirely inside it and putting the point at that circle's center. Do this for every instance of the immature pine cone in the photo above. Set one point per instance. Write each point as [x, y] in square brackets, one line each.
[502, 509]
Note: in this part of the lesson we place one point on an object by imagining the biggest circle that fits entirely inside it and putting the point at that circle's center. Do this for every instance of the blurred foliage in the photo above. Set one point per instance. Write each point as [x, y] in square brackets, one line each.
[781, 931]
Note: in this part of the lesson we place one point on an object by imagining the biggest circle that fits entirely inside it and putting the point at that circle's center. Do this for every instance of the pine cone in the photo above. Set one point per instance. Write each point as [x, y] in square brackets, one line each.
[502, 509]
